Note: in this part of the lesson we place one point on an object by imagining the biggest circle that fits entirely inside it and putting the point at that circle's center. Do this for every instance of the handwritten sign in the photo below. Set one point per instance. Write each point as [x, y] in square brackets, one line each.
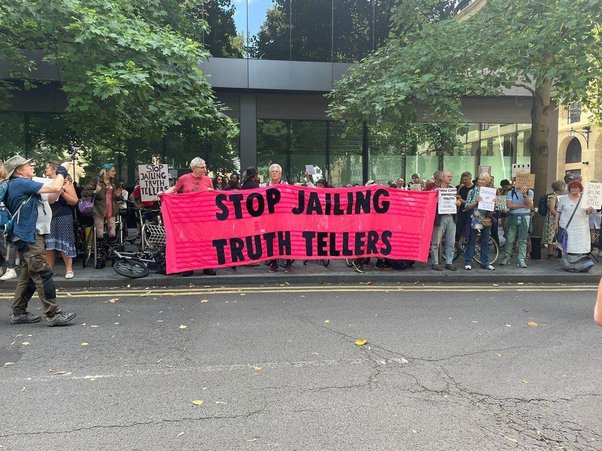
[524, 179]
[447, 201]
[154, 178]
[487, 198]
[592, 195]
[518, 168]
[484, 170]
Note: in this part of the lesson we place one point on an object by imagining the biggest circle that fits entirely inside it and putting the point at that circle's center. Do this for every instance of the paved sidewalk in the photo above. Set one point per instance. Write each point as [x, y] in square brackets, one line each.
[539, 271]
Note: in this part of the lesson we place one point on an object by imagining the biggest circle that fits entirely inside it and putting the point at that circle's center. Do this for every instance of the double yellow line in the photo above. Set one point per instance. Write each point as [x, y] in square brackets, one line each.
[285, 288]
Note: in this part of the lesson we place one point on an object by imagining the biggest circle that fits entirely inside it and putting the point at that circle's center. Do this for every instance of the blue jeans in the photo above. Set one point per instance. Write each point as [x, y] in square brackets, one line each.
[470, 247]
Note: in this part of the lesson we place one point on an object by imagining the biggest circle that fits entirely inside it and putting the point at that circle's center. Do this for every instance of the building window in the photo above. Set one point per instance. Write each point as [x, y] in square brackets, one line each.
[573, 152]
[574, 113]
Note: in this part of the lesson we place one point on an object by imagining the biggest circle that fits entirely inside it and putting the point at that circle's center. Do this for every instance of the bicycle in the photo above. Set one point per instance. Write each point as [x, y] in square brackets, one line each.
[85, 242]
[135, 265]
[494, 249]
[321, 261]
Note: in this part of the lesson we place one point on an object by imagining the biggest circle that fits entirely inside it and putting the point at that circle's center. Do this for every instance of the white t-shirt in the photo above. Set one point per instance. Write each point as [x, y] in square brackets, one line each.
[44, 216]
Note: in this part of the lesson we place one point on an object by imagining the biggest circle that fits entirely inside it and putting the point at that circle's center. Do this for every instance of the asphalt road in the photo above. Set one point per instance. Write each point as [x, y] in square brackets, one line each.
[443, 367]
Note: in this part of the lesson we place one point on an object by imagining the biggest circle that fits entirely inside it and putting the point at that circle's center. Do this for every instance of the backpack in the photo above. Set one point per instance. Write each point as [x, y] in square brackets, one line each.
[6, 218]
[542, 206]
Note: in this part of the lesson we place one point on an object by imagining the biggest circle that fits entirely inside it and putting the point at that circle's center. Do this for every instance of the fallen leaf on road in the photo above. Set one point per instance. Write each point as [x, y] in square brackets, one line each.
[327, 321]
[532, 324]
[204, 301]
[112, 301]
[182, 326]
[85, 344]
[197, 402]
[94, 325]
[180, 434]
[26, 343]
[221, 402]
[9, 363]
[257, 369]
[361, 341]
[513, 440]
[508, 325]
[525, 381]
[496, 284]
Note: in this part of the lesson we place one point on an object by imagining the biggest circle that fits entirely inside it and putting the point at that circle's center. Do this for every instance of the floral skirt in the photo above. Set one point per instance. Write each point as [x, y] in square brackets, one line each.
[62, 237]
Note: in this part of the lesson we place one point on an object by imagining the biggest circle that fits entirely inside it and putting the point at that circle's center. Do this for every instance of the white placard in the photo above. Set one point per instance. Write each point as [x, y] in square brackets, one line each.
[309, 168]
[154, 178]
[592, 195]
[488, 199]
[524, 167]
[415, 187]
[447, 201]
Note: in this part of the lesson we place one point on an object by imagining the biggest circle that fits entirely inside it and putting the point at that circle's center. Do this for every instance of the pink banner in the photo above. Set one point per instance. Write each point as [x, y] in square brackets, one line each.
[227, 228]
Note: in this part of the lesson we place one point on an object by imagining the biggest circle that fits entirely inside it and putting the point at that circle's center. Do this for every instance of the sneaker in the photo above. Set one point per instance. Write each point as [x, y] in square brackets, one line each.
[358, 266]
[504, 261]
[490, 267]
[437, 267]
[69, 275]
[467, 267]
[24, 318]
[521, 264]
[209, 272]
[274, 266]
[9, 274]
[60, 318]
[451, 267]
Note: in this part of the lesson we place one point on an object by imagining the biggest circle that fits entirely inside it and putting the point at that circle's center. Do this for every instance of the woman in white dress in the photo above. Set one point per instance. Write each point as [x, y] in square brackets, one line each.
[578, 241]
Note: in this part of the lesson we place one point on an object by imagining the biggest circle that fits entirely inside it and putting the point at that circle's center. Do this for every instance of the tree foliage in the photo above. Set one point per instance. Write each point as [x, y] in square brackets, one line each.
[129, 68]
[551, 48]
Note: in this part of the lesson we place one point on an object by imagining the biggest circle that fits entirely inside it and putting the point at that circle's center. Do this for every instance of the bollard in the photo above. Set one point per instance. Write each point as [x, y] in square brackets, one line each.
[535, 248]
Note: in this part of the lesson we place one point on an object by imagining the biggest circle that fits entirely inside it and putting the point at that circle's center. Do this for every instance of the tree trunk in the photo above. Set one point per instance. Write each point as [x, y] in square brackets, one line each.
[540, 128]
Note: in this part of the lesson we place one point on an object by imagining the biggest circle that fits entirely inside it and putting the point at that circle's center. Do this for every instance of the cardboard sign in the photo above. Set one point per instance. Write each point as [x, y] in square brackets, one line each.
[524, 179]
[488, 198]
[484, 170]
[592, 195]
[415, 187]
[154, 178]
[447, 201]
[518, 168]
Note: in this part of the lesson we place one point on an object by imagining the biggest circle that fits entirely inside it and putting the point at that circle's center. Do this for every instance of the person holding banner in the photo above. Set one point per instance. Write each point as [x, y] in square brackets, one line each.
[445, 223]
[520, 204]
[275, 172]
[478, 221]
[196, 181]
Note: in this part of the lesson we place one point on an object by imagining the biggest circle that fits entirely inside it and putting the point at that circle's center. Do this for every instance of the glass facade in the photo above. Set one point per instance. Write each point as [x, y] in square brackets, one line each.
[340, 153]
[296, 30]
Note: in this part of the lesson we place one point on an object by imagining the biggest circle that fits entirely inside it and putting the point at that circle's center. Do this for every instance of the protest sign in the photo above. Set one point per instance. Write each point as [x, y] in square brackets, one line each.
[487, 195]
[218, 228]
[592, 195]
[415, 187]
[154, 178]
[447, 201]
[520, 167]
[524, 179]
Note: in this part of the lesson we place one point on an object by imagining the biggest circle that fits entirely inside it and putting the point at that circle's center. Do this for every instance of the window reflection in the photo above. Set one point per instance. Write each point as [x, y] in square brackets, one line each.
[270, 29]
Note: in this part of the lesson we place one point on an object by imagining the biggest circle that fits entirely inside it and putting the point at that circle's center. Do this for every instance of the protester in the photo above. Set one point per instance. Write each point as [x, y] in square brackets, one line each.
[549, 226]
[570, 208]
[107, 192]
[62, 236]
[462, 227]
[445, 226]
[275, 175]
[218, 182]
[7, 249]
[23, 198]
[401, 183]
[196, 181]
[435, 182]
[478, 222]
[501, 205]
[322, 184]
[250, 178]
[233, 182]
[520, 204]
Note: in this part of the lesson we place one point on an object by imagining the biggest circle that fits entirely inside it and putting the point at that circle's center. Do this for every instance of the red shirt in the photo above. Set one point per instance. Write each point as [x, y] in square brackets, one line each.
[188, 183]
[137, 195]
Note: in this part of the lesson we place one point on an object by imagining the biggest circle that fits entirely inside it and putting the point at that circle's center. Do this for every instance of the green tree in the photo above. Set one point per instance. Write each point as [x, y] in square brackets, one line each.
[129, 68]
[550, 48]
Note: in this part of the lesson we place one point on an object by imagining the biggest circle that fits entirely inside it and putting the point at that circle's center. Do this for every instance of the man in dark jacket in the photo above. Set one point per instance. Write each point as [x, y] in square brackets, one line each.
[250, 178]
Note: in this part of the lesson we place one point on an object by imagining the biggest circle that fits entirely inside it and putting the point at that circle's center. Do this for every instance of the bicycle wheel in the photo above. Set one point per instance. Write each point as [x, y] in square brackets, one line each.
[130, 267]
[349, 262]
[88, 245]
[494, 250]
